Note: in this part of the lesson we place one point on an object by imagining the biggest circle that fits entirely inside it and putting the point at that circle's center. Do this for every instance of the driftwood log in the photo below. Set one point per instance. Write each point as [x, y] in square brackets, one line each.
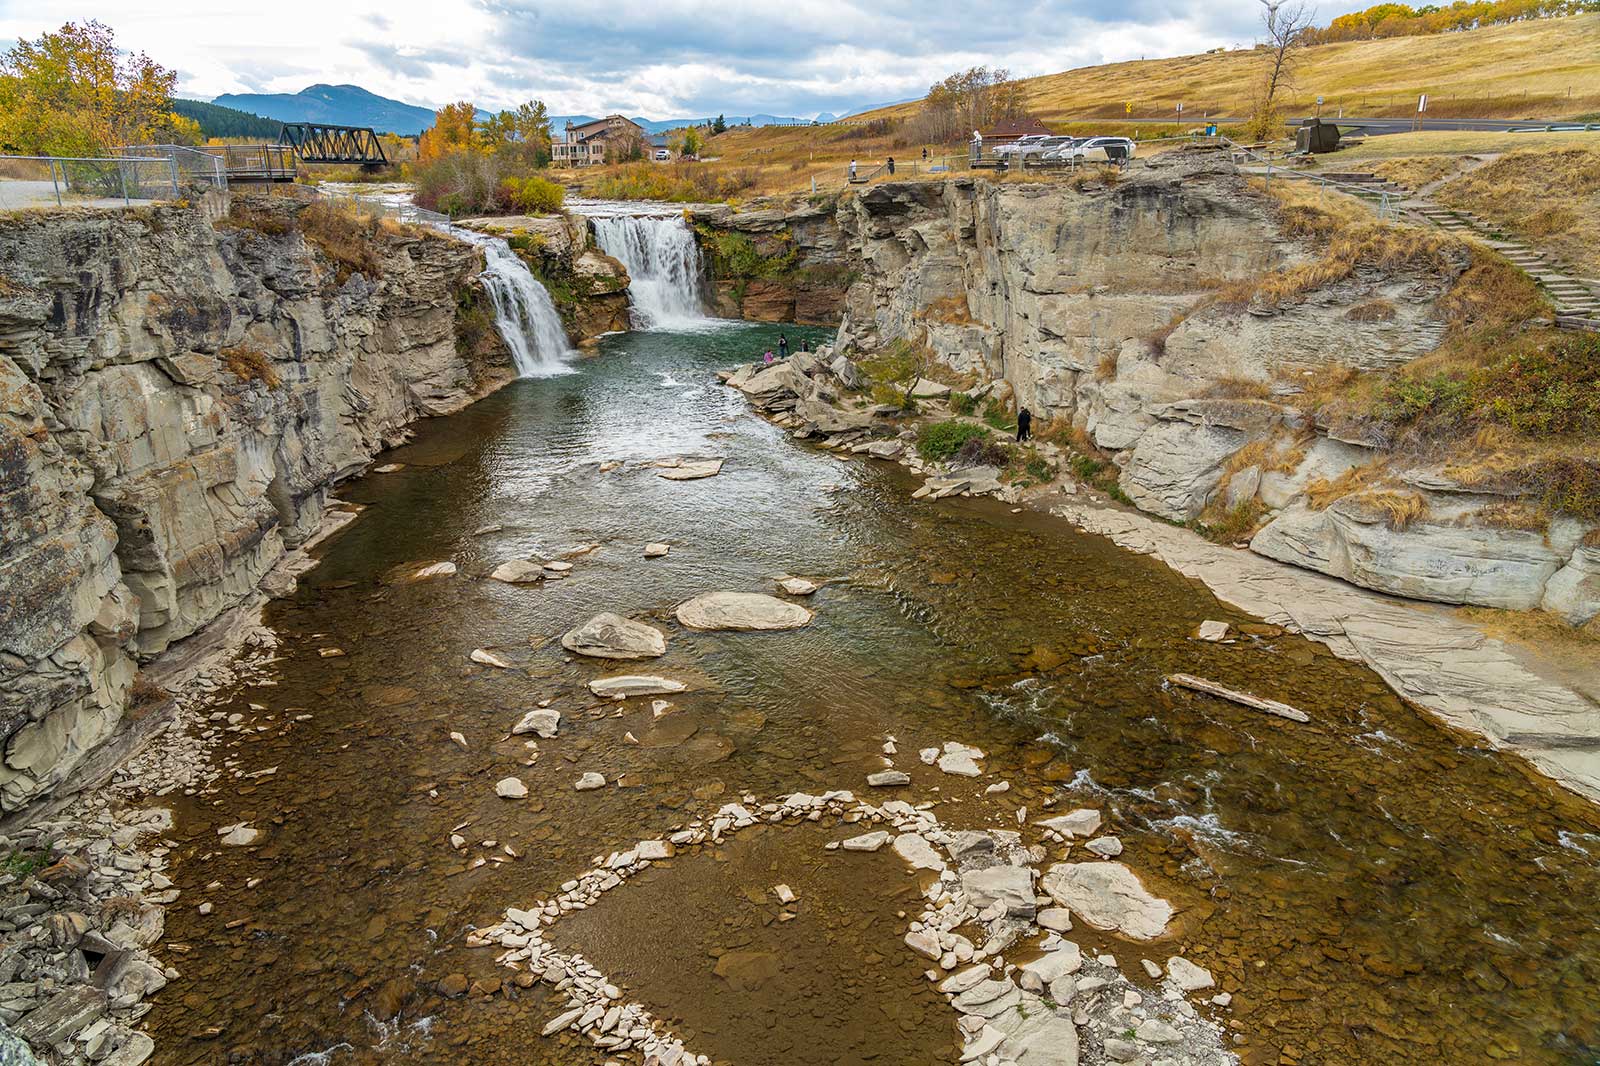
[1211, 688]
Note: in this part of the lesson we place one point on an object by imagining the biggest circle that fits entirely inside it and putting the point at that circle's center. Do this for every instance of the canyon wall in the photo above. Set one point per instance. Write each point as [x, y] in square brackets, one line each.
[1096, 303]
[176, 399]
[776, 264]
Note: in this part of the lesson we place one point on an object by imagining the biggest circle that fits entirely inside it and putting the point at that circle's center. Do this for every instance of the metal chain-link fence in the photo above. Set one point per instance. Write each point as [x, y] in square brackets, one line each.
[55, 182]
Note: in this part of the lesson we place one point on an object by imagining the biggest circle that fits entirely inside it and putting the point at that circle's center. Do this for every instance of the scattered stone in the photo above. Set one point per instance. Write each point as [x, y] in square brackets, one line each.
[610, 636]
[542, 722]
[959, 759]
[867, 841]
[510, 788]
[1156, 1031]
[240, 835]
[459, 740]
[929, 756]
[331, 653]
[1212, 631]
[1187, 976]
[656, 550]
[651, 850]
[1105, 847]
[888, 778]
[518, 572]
[489, 658]
[915, 850]
[590, 781]
[1055, 919]
[741, 611]
[432, 570]
[625, 685]
[484, 530]
[1083, 822]
[1011, 886]
[1151, 968]
[798, 586]
[692, 470]
[784, 893]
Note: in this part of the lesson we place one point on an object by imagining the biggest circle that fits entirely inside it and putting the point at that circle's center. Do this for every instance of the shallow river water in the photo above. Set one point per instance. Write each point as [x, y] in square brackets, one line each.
[1370, 888]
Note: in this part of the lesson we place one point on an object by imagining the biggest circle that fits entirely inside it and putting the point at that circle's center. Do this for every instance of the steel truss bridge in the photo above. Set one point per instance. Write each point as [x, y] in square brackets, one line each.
[313, 142]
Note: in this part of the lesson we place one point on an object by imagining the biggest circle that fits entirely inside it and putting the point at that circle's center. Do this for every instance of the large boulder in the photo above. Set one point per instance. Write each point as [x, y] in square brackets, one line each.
[1109, 896]
[1176, 467]
[610, 636]
[741, 610]
[1574, 593]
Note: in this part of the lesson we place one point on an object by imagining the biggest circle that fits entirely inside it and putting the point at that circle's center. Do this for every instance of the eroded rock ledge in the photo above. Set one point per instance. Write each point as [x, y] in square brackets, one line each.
[176, 399]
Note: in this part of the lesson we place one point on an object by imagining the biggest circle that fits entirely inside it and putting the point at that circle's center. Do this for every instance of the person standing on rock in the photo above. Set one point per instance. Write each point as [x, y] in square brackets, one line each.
[891, 166]
[1024, 425]
[783, 346]
[852, 170]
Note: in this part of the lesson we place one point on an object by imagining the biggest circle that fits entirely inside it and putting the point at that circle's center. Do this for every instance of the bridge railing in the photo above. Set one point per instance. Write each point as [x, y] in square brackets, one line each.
[217, 164]
[192, 164]
[81, 181]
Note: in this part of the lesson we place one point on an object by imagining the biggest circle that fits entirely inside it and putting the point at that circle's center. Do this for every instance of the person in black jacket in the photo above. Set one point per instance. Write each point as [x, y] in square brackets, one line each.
[1024, 425]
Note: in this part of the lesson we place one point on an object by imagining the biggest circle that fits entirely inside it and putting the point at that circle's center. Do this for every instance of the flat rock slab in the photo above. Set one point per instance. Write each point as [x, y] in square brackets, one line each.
[741, 611]
[692, 470]
[1009, 885]
[635, 685]
[1109, 896]
[518, 572]
[610, 636]
[543, 722]
[798, 586]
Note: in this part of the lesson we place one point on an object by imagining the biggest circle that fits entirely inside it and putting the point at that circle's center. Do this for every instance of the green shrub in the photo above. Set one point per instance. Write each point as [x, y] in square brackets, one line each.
[533, 195]
[940, 441]
[962, 404]
[995, 413]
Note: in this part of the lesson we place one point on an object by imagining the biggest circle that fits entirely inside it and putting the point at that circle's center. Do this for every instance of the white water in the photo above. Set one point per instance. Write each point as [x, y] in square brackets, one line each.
[523, 311]
[663, 264]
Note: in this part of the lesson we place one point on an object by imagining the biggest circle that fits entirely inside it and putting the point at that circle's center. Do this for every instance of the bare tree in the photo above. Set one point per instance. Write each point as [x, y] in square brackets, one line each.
[1286, 25]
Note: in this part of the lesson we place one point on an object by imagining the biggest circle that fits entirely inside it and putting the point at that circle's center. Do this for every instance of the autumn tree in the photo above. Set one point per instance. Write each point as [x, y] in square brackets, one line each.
[974, 99]
[689, 142]
[455, 127]
[1286, 25]
[74, 93]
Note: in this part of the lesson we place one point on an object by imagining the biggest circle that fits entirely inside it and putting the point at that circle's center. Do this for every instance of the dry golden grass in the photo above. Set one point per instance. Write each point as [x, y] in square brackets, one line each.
[1545, 68]
[250, 364]
[951, 310]
[1550, 197]
[1415, 171]
[1401, 509]
[350, 240]
[1321, 492]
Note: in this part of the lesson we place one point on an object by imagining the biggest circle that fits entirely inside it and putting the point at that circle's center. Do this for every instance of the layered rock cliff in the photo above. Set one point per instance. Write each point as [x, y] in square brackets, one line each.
[776, 264]
[1116, 308]
[176, 399]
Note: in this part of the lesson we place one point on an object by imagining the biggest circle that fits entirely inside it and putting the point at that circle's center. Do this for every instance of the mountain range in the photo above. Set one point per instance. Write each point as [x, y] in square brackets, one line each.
[351, 105]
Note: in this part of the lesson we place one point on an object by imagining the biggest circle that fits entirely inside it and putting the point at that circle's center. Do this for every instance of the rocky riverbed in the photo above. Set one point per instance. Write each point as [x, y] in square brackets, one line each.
[429, 830]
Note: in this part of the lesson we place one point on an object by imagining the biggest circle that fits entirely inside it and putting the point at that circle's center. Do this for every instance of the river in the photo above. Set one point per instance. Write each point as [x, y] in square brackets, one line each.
[1368, 887]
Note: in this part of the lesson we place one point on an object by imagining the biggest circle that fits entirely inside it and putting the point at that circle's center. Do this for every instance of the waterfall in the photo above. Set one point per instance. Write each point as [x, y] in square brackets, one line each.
[523, 311]
[663, 264]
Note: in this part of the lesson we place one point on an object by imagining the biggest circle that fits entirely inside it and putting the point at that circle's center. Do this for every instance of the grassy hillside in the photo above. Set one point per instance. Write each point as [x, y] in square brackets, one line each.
[1522, 70]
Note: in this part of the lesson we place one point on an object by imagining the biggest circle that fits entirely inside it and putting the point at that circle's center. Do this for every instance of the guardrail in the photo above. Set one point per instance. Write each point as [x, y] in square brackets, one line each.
[384, 207]
[97, 181]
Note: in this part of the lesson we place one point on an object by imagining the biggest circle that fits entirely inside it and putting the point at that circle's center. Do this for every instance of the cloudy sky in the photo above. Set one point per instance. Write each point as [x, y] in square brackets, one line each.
[657, 58]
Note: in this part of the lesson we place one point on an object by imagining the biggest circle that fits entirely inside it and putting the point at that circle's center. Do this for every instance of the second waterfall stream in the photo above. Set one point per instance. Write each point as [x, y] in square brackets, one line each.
[523, 311]
[663, 263]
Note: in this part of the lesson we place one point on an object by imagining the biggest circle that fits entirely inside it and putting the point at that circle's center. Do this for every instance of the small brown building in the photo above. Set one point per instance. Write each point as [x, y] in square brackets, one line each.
[587, 145]
[1013, 130]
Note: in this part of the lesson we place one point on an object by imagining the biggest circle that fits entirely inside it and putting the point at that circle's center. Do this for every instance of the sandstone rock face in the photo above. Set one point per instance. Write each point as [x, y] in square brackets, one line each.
[1096, 307]
[805, 268]
[176, 399]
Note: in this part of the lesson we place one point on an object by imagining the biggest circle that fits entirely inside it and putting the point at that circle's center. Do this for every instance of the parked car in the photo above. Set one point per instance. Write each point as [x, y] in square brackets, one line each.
[1037, 149]
[1103, 150]
[1062, 151]
[662, 155]
[1003, 150]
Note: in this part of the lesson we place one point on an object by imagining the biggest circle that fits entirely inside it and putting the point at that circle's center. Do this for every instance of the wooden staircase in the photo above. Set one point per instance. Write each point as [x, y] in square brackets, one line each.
[1577, 301]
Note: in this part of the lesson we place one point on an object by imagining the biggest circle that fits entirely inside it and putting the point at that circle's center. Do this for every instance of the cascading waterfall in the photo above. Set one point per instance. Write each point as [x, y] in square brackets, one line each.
[663, 264]
[523, 311]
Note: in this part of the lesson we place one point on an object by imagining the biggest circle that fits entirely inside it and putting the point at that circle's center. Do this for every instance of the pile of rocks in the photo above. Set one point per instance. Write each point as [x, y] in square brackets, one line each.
[982, 904]
[81, 902]
[807, 395]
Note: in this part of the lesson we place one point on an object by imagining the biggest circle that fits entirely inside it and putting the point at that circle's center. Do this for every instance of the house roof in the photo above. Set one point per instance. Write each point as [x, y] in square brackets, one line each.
[1011, 129]
[600, 125]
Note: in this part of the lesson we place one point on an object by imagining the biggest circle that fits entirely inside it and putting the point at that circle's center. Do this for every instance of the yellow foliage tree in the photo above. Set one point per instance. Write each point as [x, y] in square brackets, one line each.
[454, 128]
[74, 92]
